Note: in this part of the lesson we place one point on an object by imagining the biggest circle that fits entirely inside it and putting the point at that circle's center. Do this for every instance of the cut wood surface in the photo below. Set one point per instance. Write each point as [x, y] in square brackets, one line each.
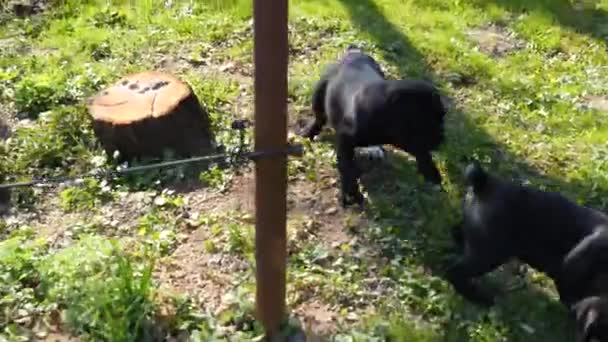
[145, 113]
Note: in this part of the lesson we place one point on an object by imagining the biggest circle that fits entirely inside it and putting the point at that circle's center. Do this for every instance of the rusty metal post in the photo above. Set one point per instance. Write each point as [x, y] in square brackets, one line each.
[271, 59]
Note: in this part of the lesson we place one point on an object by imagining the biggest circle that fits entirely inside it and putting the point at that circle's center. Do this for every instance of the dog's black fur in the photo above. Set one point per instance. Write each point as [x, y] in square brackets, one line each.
[366, 109]
[566, 241]
[591, 319]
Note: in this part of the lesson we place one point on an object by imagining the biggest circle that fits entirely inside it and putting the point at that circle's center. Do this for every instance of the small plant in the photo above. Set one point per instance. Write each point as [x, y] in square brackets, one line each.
[19, 278]
[33, 27]
[240, 239]
[116, 306]
[215, 178]
[84, 81]
[109, 17]
[168, 200]
[8, 77]
[100, 50]
[25, 197]
[34, 95]
[240, 312]
[61, 140]
[104, 295]
[158, 228]
[86, 197]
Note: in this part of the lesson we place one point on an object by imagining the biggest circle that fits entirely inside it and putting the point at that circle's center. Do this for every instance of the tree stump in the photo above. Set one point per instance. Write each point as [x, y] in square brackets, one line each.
[146, 113]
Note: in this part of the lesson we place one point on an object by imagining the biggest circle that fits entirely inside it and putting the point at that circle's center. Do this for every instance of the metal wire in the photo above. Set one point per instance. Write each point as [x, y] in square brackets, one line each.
[236, 157]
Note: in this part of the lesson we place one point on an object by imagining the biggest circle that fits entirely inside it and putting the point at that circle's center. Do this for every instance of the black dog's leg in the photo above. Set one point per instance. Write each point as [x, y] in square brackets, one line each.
[458, 236]
[461, 273]
[580, 259]
[580, 262]
[349, 172]
[588, 314]
[427, 167]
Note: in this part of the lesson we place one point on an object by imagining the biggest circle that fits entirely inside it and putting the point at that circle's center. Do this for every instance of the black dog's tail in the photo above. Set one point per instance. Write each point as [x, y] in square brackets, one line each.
[320, 89]
[318, 97]
[476, 176]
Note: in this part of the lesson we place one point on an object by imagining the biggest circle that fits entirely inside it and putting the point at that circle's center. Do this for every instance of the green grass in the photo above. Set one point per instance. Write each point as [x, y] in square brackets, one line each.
[85, 269]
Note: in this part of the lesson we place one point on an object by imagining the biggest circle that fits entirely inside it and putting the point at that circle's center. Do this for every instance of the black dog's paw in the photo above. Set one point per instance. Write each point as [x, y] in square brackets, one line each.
[306, 133]
[467, 287]
[350, 199]
[309, 131]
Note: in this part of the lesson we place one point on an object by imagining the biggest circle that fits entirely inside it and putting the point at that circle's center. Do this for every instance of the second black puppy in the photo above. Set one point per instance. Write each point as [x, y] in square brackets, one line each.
[566, 241]
[365, 109]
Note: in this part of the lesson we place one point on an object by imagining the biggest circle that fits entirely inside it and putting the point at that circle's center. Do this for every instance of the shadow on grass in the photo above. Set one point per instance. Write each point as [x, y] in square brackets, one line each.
[408, 210]
[582, 16]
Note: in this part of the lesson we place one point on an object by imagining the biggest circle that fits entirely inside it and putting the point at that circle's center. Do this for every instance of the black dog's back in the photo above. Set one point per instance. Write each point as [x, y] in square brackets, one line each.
[541, 227]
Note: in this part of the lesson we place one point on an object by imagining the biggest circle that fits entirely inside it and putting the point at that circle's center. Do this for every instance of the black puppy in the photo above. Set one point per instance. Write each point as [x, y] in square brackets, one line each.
[568, 242]
[366, 109]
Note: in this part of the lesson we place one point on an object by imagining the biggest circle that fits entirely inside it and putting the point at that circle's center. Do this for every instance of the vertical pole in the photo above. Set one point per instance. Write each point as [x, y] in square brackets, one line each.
[270, 58]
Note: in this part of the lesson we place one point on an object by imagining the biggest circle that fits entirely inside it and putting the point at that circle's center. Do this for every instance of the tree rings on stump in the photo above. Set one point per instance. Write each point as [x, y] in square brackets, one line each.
[146, 113]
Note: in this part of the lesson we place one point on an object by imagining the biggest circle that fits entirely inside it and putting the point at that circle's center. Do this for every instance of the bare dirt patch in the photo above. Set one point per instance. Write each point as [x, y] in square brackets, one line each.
[598, 102]
[318, 204]
[192, 269]
[232, 70]
[56, 337]
[495, 40]
[317, 318]
[46, 219]
[202, 275]
[240, 196]
[209, 276]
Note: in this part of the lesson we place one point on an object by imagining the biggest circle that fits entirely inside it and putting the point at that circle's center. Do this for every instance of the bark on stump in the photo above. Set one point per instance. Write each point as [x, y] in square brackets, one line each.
[146, 113]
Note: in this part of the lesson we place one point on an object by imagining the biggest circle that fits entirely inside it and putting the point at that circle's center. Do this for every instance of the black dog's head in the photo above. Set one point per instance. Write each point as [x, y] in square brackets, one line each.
[591, 316]
[353, 48]
[355, 56]
[352, 51]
